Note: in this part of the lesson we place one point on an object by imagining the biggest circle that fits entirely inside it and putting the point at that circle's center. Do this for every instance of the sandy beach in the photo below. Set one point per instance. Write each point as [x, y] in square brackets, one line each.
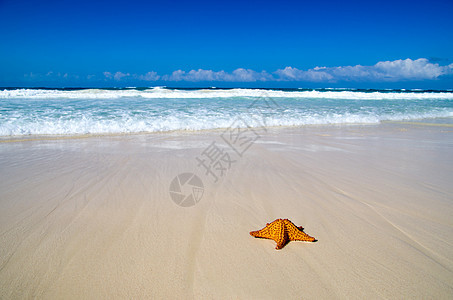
[92, 217]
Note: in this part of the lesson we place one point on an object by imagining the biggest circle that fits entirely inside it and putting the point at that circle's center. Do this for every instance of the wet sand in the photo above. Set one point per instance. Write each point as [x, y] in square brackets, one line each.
[92, 218]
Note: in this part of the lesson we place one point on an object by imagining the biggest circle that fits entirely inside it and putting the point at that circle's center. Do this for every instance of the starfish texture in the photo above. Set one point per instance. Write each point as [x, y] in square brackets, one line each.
[282, 231]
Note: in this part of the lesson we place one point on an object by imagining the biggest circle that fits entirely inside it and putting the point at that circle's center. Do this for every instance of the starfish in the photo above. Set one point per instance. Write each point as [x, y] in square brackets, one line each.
[282, 231]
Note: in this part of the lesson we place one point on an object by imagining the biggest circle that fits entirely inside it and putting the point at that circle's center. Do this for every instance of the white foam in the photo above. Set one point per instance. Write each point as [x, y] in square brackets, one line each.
[159, 93]
[96, 111]
[129, 124]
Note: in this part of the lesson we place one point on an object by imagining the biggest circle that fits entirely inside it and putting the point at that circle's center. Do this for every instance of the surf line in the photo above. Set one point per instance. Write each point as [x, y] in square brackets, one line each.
[419, 123]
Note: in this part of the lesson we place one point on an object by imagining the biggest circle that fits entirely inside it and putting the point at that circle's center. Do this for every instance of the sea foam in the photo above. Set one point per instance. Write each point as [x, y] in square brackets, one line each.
[103, 111]
[159, 92]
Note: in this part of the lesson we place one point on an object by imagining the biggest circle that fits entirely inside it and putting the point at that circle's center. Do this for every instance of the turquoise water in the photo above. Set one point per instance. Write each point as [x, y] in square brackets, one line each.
[97, 111]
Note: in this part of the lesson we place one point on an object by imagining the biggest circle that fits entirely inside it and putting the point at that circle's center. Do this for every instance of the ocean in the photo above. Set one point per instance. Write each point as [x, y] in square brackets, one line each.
[159, 109]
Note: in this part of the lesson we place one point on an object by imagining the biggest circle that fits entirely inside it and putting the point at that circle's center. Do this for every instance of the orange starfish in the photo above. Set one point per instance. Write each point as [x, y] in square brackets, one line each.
[282, 231]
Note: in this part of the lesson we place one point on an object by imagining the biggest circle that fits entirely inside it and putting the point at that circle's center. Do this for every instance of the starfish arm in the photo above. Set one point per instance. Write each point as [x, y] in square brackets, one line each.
[263, 233]
[274, 231]
[255, 233]
[296, 234]
[301, 236]
[280, 238]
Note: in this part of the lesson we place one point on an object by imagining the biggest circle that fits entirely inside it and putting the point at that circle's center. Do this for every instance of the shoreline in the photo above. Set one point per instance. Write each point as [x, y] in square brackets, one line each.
[93, 218]
[42, 137]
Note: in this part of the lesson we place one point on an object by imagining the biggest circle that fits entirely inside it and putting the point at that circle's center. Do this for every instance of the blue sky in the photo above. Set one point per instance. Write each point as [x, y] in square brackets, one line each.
[394, 44]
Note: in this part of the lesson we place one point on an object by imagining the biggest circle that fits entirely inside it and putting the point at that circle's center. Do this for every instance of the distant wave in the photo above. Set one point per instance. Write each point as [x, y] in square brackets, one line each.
[159, 93]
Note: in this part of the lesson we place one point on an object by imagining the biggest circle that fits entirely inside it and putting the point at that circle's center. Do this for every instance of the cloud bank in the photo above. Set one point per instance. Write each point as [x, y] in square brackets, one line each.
[383, 71]
[238, 75]
[397, 70]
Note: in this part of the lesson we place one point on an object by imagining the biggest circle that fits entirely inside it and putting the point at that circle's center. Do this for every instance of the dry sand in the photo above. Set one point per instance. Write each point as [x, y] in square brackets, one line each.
[92, 218]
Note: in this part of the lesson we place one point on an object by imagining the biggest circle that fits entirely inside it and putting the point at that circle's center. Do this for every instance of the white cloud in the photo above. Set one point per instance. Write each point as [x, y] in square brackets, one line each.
[117, 76]
[238, 75]
[384, 71]
[397, 70]
[417, 69]
[247, 75]
[108, 75]
[294, 74]
[194, 75]
[150, 76]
